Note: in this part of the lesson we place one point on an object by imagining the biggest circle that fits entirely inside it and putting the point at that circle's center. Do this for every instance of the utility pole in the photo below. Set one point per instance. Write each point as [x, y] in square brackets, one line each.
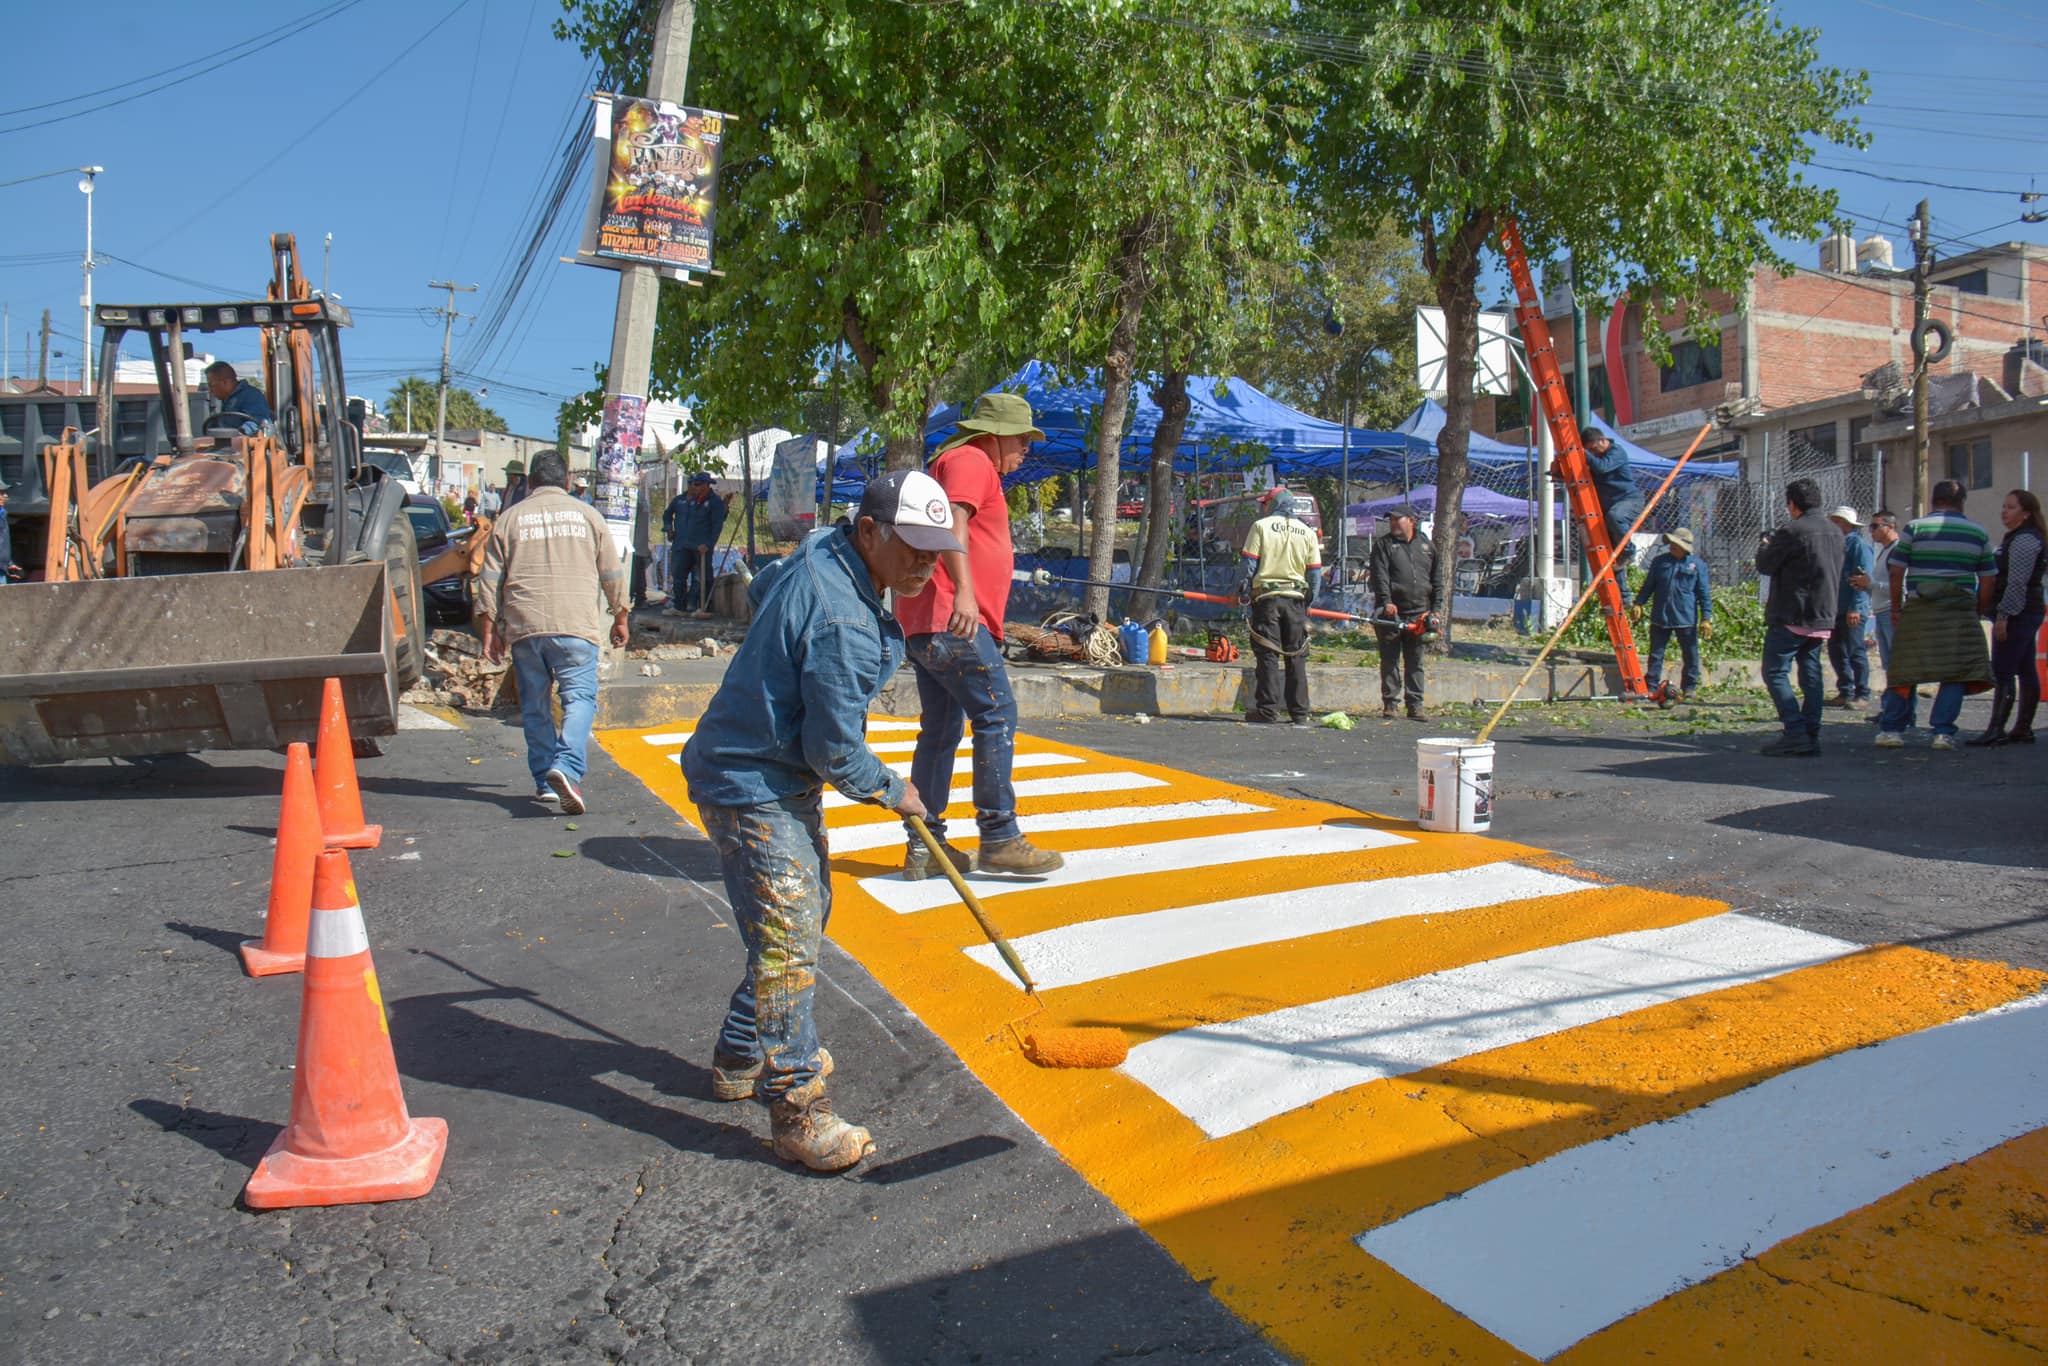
[43, 365]
[632, 358]
[1923, 261]
[441, 402]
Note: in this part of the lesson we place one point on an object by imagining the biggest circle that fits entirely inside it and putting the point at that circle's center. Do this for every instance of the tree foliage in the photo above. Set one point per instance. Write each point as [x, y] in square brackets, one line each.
[466, 412]
[1657, 141]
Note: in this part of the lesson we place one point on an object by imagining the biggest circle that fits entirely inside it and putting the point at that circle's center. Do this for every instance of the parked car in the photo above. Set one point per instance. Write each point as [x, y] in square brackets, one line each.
[449, 601]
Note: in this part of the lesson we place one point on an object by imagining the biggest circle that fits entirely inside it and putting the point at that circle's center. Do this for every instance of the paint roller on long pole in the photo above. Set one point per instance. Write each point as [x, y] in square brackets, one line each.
[1100, 1047]
[1592, 586]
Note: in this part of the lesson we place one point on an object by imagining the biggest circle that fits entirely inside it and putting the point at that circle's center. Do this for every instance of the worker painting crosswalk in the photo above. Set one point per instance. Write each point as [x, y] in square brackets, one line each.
[1401, 1095]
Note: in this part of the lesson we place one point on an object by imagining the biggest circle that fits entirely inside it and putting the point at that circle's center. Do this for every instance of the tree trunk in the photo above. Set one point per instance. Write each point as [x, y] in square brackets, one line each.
[1454, 266]
[1119, 367]
[1172, 398]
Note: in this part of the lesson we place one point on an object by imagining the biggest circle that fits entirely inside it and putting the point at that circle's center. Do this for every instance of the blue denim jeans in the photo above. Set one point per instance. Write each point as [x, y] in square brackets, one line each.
[689, 578]
[1688, 648]
[543, 663]
[961, 681]
[1783, 652]
[780, 888]
[1901, 703]
[1883, 622]
[1850, 657]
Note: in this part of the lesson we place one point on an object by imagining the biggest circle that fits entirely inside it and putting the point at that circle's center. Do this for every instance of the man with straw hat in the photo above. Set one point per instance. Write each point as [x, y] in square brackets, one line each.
[954, 639]
[1848, 646]
[1680, 605]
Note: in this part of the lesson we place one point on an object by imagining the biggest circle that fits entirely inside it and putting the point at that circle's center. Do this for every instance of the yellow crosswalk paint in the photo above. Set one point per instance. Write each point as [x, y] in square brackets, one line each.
[1948, 1266]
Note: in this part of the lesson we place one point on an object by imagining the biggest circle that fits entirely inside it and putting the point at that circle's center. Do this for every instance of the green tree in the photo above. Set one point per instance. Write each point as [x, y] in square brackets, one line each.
[878, 168]
[1657, 141]
[466, 412]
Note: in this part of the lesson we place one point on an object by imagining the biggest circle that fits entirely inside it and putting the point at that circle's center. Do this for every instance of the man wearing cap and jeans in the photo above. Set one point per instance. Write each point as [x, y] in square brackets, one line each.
[955, 635]
[790, 718]
[1402, 570]
[1283, 571]
[692, 521]
[1848, 646]
[1681, 605]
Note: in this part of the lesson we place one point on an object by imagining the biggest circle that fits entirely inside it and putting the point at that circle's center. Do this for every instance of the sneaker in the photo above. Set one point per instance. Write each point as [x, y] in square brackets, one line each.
[806, 1130]
[545, 795]
[1792, 746]
[738, 1079]
[1890, 739]
[1019, 855]
[917, 860]
[1944, 742]
[571, 795]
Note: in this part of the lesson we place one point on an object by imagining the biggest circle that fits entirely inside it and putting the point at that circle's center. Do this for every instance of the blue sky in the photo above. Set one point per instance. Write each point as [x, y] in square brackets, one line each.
[418, 133]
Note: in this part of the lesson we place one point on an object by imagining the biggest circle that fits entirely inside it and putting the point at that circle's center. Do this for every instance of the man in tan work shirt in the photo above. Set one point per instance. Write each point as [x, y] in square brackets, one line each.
[549, 562]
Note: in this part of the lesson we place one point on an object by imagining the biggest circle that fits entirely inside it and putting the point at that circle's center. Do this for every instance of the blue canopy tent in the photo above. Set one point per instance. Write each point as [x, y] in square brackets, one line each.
[1479, 503]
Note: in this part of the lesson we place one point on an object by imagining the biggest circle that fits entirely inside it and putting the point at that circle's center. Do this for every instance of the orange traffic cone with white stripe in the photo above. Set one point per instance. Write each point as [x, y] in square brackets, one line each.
[283, 945]
[341, 801]
[350, 1140]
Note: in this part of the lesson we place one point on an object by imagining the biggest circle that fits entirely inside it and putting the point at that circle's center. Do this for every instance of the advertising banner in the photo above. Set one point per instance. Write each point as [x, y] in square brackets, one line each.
[618, 468]
[657, 196]
[792, 488]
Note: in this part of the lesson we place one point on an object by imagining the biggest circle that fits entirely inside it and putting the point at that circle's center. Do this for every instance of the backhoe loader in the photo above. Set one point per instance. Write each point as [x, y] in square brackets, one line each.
[198, 600]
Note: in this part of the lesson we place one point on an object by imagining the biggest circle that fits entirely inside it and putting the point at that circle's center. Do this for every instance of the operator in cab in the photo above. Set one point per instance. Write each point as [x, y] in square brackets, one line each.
[241, 403]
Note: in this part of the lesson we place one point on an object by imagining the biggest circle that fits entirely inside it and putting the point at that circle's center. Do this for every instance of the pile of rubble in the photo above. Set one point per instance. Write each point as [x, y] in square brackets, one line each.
[458, 675]
[651, 657]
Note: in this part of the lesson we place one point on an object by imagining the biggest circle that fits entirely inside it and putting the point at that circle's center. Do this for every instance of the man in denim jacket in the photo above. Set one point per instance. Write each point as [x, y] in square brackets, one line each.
[791, 717]
[1681, 606]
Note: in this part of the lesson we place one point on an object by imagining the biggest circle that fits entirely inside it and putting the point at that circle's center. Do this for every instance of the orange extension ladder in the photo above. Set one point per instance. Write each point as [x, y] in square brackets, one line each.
[1571, 458]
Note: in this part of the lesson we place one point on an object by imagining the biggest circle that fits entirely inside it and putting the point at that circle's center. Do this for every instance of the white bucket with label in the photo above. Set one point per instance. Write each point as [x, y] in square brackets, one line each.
[1454, 785]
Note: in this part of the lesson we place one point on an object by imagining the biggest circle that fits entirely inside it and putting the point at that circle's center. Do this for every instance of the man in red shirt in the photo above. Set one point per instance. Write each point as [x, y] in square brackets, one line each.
[955, 633]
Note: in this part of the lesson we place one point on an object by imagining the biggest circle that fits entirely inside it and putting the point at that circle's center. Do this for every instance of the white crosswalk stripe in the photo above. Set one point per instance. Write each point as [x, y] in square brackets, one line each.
[1095, 949]
[1228, 1077]
[1137, 860]
[1041, 787]
[1548, 1254]
[966, 765]
[882, 834]
[681, 737]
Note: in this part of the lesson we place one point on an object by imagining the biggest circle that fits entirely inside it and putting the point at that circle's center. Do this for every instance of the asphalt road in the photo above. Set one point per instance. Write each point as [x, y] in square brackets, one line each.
[1945, 851]
[557, 1011]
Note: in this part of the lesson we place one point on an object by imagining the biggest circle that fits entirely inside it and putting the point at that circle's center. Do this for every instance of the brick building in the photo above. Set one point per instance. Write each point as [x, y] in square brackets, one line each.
[1814, 366]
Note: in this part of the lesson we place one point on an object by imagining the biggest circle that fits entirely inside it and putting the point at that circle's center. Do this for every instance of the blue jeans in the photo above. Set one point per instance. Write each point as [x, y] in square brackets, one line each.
[689, 578]
[780, 888]
[1850, 656]
[1900, 704]
[542, 663]
[1883, 622]
[1783, 651]
[960, 681]
[1688, 647]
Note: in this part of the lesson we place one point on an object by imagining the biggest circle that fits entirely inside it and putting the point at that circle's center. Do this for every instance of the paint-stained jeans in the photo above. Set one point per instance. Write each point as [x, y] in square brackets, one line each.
[774, 861]
[961, 681]
[567, 663]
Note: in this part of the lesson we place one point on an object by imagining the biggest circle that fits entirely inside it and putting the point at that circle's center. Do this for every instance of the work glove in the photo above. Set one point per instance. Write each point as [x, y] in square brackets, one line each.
[1706, 630]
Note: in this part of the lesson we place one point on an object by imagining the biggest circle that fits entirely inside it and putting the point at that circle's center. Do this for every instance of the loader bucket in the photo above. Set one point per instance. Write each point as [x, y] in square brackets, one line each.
[184, 662]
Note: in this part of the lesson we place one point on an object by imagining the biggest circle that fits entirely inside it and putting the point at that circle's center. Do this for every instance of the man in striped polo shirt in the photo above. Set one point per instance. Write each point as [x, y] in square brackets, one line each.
[1941, 572]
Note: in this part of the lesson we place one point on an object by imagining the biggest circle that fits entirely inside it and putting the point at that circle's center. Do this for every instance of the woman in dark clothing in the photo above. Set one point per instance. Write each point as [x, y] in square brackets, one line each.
[2016, 616]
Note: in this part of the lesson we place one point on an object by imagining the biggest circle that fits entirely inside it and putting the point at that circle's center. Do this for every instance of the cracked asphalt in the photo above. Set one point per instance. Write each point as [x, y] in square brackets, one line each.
[558, 1012]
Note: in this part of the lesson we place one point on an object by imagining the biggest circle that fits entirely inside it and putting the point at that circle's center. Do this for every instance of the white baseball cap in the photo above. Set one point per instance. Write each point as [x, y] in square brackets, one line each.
[912, 502]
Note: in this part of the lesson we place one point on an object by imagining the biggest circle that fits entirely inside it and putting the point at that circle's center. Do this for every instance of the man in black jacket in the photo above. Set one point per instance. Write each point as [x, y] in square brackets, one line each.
[1402, 569]
[1804, 561]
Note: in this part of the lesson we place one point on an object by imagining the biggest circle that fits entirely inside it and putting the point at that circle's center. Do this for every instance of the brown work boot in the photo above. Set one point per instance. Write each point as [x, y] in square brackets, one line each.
[1018, 856]
[737, 1079]
[807, 1131]
[917, 860]
[1418, 713]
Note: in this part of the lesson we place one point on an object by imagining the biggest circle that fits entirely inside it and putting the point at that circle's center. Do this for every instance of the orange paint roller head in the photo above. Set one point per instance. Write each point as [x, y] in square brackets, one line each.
[1077, 1047]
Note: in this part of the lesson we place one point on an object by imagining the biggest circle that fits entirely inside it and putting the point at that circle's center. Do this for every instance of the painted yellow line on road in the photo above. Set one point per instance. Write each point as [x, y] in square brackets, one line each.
[1270, 1214]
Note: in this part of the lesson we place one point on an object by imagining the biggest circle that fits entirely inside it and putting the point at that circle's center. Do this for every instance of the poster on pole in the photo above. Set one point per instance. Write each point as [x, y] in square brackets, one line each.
[656, 197]
[792, 488]
[618, 467]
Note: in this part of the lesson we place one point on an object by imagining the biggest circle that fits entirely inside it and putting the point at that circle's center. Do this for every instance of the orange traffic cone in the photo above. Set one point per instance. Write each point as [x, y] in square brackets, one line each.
[283, 946]
[341, 801]
[350, 1140]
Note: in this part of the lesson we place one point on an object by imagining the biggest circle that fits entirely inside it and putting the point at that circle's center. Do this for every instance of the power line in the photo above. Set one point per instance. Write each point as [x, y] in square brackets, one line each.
[1910, 180]
[227, 55]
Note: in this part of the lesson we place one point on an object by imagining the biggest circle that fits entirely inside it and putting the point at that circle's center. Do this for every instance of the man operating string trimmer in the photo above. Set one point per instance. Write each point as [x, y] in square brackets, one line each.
[1283, 570]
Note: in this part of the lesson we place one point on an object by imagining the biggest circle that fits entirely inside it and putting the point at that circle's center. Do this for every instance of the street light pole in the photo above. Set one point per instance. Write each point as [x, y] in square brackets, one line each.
[85, 295]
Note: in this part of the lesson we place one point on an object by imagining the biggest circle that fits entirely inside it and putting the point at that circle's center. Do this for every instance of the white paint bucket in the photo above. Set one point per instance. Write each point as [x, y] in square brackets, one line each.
[1454, 784]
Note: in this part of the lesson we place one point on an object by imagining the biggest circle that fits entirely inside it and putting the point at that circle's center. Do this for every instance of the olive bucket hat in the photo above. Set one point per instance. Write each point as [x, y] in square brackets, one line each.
[996, 415]
[1681, 537]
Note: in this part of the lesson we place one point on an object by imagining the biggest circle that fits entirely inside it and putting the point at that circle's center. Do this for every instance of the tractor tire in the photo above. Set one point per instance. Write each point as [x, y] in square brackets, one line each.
[402, 558]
